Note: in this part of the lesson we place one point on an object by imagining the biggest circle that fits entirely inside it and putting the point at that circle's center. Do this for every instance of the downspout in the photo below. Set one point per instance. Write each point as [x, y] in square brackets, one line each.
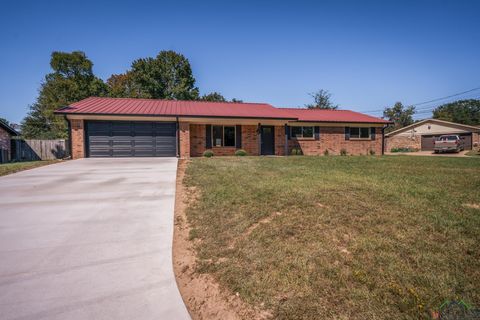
[69, 126]
[178, 137]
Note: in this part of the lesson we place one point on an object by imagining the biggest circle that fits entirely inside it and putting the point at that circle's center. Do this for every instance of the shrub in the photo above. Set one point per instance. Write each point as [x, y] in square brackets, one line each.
[372, 152]
[240, 153]
[296, 152]
[325, 153]
[343, 152]
[208, 153]
[403, 149]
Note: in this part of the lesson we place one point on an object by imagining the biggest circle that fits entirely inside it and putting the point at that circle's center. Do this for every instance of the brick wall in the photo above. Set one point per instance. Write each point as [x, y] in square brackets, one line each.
[333, 140]
[78, 143]
[414, 142]
[279, 140]
[5, 142]
[475, 140]
[184, 132]
[198, 139]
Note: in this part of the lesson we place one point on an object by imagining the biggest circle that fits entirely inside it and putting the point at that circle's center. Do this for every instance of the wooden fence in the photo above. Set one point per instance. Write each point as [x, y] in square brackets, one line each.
[29, 150]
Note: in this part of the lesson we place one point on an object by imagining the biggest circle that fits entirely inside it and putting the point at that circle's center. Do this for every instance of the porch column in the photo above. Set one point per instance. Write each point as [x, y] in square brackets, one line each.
[286, 139]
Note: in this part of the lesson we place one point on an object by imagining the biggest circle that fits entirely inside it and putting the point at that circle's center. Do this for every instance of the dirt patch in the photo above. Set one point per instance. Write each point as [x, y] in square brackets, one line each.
[202, 295]
[472, 205]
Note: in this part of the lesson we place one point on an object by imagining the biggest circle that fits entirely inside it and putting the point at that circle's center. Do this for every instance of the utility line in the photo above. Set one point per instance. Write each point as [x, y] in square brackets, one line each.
[433, 100]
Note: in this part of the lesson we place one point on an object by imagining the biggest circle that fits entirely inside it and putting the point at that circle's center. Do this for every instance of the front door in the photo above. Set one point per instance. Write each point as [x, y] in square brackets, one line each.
[268, 140]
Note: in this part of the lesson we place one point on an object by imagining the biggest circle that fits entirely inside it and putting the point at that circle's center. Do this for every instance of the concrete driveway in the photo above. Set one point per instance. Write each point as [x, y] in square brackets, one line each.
[89, 239]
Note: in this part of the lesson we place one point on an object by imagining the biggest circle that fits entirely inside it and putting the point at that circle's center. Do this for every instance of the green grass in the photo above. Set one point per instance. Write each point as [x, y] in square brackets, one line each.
[339, 237]
[8, 168]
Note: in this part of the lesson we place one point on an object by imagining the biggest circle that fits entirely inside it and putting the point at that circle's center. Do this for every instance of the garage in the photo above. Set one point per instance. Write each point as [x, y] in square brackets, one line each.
[428, 141]
[130, 139]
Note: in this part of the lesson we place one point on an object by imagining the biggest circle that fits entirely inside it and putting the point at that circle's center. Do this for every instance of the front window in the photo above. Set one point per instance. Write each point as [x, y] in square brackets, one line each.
[301, 132]
[223, 136]
[359, 133]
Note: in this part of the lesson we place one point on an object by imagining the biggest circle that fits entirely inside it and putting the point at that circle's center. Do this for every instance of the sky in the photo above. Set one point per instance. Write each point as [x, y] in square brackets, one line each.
[368, 54]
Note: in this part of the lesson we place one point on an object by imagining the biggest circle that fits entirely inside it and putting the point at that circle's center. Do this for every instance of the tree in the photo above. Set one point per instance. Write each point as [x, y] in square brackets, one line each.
[237, 100]
[4, 121]
[72, 80]
[123, 86]
[462, 111]
[322, 100]
[213, 96]
[400, 115]
[168, 76]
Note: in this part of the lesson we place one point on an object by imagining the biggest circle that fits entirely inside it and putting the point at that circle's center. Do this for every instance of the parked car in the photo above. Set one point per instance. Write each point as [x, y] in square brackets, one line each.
[448, 143]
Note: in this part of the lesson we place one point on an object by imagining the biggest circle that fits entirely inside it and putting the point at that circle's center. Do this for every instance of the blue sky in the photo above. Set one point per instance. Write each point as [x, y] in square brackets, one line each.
[368, 54]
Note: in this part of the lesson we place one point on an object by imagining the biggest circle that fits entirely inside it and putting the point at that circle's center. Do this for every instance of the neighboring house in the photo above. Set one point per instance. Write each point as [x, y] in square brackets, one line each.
[6, 133]
[118, 127]
[421, 135]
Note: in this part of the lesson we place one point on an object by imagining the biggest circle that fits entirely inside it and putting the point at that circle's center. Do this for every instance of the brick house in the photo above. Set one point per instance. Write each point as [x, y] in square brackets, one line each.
[116, 127]
[422, 134]
[6, 133]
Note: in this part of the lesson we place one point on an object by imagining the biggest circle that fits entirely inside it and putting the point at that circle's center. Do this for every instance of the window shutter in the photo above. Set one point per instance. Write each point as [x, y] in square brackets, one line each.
[317, 132]
[347, 133]
[238, 136]
[288, 132]
[372, 133]
[208, 136]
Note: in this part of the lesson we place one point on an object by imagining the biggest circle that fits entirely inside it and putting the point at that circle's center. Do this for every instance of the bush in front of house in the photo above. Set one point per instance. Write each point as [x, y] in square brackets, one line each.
[296, 152]
[326, 152]
[240, 153]
[372, 152]
[208, 153]
[343, 152]
[408, 149]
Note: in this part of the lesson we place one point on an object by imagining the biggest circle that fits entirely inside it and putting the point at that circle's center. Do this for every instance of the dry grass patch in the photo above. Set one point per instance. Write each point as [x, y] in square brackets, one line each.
[9, 168]
[358, 237]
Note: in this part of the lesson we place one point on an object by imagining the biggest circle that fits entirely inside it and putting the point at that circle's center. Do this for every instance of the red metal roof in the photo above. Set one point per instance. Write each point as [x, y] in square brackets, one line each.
[322, 115]
[152, 107]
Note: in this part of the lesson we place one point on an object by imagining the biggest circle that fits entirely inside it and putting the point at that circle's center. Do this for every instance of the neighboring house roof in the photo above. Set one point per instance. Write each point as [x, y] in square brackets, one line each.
[442, 122]
[9, 129]
[152, 107]
[324, 115]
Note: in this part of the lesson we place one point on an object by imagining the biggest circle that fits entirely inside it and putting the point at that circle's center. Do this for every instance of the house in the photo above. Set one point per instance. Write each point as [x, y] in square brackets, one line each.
[421, 135]
[119, 127]
[6, 133]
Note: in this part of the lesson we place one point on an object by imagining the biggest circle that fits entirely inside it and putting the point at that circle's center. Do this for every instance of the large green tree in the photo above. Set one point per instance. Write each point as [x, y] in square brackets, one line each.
[213, 96]
[322, 99]
[400, 115]
[167, 76]
[462, 111]
[72, 80]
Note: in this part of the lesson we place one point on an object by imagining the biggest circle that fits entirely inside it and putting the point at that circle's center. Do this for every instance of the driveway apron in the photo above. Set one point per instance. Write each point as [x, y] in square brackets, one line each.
[89, 239]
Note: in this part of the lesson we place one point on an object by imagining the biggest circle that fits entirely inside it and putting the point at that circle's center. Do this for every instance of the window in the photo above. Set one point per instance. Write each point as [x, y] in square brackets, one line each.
[359, 133]
[223, 136]
[301, 132]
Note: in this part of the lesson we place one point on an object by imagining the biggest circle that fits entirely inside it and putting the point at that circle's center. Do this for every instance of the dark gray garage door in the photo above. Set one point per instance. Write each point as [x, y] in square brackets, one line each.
[429, 141]
[130, 139]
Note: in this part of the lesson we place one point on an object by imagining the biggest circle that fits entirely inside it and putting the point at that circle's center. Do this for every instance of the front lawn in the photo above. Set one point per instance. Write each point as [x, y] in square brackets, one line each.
[8, 168]
[339, 237]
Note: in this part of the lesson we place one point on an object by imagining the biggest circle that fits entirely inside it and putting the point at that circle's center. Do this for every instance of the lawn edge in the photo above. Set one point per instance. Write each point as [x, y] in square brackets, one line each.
[41, 163]
[201, 293]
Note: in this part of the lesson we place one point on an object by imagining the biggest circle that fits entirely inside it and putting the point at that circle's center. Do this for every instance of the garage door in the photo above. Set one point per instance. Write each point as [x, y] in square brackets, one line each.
[130, 139]
[429, 141]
